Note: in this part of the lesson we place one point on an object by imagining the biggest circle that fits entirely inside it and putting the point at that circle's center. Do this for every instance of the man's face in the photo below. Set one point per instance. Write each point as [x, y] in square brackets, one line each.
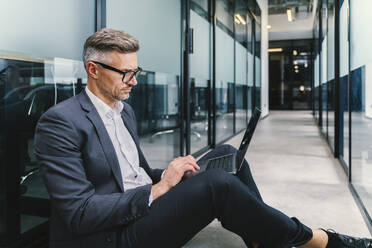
[110, 83]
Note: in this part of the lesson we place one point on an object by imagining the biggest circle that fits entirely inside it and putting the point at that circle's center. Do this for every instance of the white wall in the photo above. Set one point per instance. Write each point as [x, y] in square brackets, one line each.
[44, 28]
[264, 58]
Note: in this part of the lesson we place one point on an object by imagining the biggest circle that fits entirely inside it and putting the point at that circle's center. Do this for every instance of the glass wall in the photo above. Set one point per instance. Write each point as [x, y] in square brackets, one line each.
[200, 76]
[241, 85]
[354, 98]
[33, 77]
[40, 67]
[324, 63]
[250, 70]
[158, 116]
[224, 69]
[331, 71]
[344, 80]
[316, 70]
[361, 87]
[28, 87]
[257, 58]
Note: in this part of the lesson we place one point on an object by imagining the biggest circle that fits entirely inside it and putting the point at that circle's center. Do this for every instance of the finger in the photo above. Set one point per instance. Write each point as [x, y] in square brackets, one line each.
[194, 164]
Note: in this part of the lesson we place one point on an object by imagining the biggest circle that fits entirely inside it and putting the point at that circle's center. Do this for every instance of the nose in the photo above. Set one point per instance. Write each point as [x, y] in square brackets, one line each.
[133, 81]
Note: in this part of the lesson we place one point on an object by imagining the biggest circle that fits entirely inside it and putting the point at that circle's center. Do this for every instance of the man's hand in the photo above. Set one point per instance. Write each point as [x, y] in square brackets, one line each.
[174, 174]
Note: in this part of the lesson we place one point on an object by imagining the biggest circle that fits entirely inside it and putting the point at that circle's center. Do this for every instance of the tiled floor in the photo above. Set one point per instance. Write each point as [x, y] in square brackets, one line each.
[296, 173]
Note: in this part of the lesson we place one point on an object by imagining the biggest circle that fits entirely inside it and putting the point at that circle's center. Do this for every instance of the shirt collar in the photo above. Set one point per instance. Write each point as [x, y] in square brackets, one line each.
[104, 110]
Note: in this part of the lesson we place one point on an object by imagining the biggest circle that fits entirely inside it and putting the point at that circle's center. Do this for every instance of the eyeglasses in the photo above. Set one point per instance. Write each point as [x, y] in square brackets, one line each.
[127, 75]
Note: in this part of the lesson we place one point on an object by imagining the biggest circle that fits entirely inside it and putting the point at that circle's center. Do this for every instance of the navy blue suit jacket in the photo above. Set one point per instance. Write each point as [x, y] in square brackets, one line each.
[82, 175]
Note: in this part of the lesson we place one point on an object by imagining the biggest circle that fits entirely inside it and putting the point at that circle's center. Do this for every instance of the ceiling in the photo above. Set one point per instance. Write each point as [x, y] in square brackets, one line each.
[301, 7]
[300, 28]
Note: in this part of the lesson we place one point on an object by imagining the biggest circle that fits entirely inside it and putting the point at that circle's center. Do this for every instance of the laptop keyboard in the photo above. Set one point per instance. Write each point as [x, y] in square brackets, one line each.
[225, 163]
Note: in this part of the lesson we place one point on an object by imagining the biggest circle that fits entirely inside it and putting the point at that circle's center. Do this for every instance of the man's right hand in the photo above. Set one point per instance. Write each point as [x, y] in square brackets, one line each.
[173, 175]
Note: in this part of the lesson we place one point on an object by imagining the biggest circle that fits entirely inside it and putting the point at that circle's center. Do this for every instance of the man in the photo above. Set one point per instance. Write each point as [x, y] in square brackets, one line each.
[103, 192]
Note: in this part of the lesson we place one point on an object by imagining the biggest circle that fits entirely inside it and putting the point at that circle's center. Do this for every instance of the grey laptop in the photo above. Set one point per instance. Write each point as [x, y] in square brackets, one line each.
[232, 162]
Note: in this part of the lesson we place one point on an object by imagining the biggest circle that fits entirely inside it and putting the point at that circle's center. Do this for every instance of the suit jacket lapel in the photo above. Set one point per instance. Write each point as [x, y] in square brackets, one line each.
[103, 136]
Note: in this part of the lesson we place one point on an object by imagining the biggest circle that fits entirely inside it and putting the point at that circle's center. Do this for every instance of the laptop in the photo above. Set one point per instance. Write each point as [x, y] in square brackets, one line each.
[232, 162]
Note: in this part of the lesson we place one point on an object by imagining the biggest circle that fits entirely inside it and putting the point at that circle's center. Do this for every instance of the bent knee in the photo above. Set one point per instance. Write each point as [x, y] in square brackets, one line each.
[219, 178]
[226, 148]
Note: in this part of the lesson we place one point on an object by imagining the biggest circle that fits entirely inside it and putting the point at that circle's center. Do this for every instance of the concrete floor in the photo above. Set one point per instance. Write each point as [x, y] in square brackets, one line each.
[296, 173]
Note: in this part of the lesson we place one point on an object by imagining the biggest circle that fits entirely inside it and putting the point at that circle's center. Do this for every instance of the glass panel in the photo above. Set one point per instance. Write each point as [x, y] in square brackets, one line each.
[199, 74]
[155, 101]
[156, 98]
[324, 69]
[258, 64]
[241, 89]
[330, 72]
[250, 78]
[224, 70]
[316, 68]
[361, 77]
[27, 89]
[344, 77]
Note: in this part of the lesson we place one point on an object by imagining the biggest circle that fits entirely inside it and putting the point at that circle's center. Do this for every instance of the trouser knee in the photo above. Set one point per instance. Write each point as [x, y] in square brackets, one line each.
[226, 149]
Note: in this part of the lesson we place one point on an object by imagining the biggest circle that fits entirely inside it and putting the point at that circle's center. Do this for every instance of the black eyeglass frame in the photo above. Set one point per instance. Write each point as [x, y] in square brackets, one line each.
[135, 72]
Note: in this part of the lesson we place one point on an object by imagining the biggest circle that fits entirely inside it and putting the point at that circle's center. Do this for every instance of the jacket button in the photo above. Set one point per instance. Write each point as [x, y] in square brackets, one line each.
[108, 239]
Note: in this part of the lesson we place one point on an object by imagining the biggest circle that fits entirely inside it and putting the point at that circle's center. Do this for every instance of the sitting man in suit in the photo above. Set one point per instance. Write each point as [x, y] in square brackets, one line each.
[104, 194]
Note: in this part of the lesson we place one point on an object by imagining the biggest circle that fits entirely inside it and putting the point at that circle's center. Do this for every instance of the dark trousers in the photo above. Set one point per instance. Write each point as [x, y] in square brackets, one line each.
[234, 200]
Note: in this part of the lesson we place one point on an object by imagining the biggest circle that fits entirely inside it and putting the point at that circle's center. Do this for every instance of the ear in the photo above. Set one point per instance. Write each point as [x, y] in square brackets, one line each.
[92, 70]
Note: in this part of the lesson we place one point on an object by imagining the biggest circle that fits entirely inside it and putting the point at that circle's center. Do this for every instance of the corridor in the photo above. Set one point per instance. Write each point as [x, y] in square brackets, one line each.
[296, 173]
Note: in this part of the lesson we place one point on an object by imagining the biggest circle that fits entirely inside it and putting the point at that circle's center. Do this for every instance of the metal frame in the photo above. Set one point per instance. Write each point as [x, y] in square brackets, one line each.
[100, 19]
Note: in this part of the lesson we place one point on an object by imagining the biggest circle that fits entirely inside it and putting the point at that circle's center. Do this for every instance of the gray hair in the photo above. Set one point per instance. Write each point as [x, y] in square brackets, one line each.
[107, 40]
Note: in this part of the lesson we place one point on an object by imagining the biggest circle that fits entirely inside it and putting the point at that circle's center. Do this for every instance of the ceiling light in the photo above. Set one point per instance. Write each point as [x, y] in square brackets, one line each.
[302, 88]
[295, 62]
[268, 26]
[296, 67]
[240, 18]
[237, 20]
[297, 71]
[294, 52]
[275, 50]
[289, 15]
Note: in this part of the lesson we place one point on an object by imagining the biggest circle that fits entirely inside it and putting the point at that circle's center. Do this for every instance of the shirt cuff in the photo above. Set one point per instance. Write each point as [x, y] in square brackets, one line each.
[162, 174]
[151, 198]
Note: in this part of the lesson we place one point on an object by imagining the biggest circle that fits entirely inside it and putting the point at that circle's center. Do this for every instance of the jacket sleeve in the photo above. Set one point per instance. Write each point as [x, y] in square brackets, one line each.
[73, 197]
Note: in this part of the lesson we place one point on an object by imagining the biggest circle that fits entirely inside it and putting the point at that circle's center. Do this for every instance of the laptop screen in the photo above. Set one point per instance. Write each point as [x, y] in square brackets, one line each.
[248, 136]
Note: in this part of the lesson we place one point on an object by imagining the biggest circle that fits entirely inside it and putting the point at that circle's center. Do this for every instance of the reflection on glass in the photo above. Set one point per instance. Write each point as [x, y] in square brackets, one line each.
[27, 90]
[316, 68]
[199, 75]
[224, 70]
[155, 101]
[224, 110]
[199, 114]
[344, 78]
[330, 72]
[250, 66]
[324, 63]
[361, 86]
[241, 84]
[258, 64]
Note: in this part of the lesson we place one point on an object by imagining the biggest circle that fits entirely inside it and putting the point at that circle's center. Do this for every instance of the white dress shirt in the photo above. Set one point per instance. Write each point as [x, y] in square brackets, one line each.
[126, 151]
